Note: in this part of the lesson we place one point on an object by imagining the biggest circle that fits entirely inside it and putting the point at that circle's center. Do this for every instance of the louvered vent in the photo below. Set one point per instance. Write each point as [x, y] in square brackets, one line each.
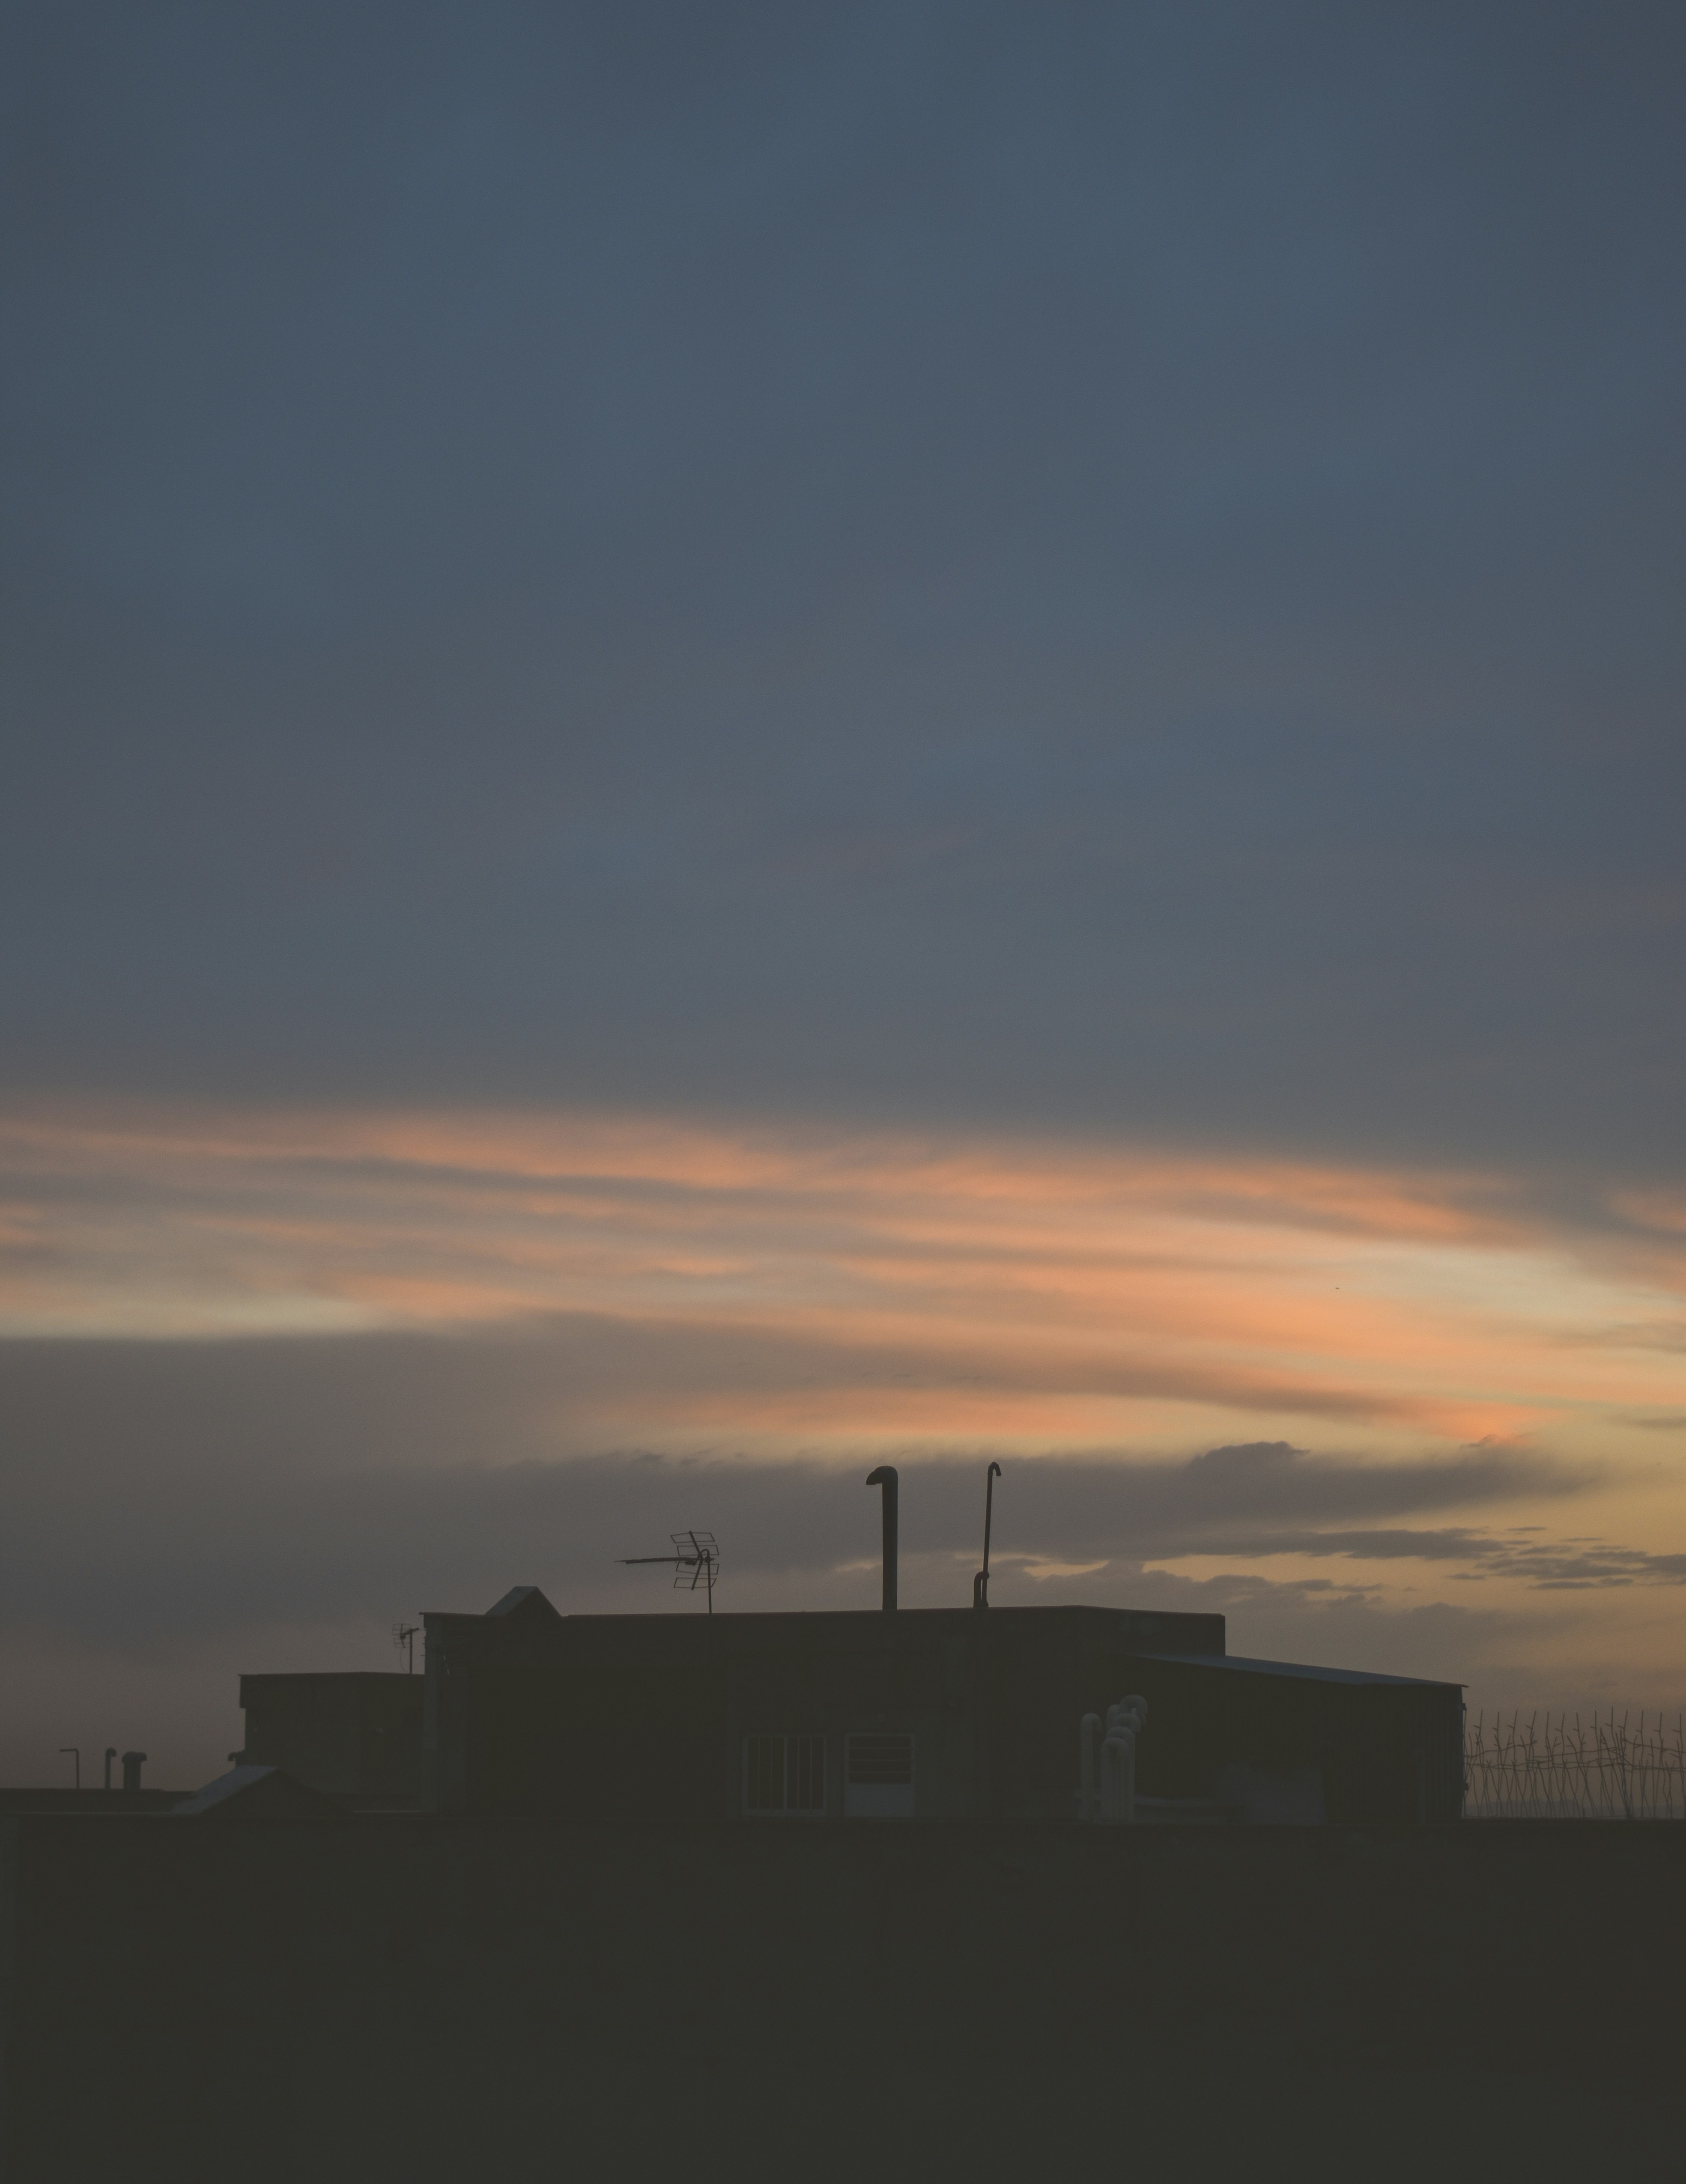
[881, 1759]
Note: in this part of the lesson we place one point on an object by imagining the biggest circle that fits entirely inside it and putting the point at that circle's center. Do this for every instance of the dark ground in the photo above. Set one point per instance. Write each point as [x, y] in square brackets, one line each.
[416, 2000]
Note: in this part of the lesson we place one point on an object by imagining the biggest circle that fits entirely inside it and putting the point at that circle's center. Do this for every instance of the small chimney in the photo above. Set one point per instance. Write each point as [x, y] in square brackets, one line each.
[885, 1476]
[132, 1763]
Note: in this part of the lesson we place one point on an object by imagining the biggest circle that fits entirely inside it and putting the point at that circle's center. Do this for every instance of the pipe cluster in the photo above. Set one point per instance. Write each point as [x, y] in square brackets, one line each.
[1108, 1792]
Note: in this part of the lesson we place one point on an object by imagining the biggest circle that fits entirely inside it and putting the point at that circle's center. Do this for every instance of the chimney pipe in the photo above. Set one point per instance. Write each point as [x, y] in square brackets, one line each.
[980, 1583]
[885, 1476]
[110, 1754]
[132, 1763]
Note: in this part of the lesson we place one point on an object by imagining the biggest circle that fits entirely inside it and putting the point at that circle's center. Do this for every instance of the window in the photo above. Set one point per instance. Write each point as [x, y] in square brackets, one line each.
[784, 1774]
[878, 1778]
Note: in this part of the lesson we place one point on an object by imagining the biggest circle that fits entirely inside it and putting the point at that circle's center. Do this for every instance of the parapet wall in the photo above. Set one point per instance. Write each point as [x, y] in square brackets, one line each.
[421, 1997]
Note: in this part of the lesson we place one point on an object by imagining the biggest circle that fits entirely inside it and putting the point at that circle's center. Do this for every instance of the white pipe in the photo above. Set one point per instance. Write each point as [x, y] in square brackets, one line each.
[1112, 1796]
[1126, 1720]
[1088, 1735]
[1118, 1774]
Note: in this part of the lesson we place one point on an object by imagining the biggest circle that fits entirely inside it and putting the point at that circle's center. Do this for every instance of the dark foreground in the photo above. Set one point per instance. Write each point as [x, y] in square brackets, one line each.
[406, 1998]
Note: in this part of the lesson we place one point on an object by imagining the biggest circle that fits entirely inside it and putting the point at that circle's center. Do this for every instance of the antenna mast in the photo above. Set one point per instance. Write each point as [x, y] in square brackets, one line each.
[695, 1561]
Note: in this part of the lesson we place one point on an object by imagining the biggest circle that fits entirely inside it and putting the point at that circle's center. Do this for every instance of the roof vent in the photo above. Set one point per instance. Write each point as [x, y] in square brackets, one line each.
[527, 1601]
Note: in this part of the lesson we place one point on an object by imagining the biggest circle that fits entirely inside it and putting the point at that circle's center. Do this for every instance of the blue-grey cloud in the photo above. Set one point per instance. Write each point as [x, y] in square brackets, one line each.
[153, 1488]
[1110, 565]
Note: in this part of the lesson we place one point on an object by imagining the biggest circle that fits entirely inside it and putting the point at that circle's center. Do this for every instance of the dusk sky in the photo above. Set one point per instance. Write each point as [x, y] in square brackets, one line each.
[741, 741]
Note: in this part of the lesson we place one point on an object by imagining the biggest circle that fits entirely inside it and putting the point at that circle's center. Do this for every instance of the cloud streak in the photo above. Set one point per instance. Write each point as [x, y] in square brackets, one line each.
[159, 1489]
[771, 1287]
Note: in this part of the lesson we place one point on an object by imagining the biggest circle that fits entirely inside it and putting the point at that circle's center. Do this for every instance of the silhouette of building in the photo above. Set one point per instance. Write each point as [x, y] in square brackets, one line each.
[924, 1714]
[354, 1735]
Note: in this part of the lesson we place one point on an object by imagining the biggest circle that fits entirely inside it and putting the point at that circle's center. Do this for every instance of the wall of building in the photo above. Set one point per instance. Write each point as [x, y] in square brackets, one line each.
[354, 1733]
[636, 1716]
[640, 1717]
[1381, 1751]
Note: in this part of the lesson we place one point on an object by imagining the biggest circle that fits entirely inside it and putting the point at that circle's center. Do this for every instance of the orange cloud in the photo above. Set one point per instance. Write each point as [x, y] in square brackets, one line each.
[1027, 1292]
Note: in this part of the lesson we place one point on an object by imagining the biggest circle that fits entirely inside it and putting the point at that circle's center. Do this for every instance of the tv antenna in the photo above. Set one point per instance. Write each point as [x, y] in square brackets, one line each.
[695, 1561]
[403, 1637]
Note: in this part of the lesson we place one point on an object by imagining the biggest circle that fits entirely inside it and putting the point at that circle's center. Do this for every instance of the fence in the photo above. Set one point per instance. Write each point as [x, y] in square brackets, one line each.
[1612, 1769]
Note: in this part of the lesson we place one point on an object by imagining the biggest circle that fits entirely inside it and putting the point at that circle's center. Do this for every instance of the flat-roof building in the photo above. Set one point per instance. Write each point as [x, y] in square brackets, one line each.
[923, 1713]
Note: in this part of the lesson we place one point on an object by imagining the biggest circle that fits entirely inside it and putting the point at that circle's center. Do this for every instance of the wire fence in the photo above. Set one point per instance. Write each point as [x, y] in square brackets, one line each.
[1615, 1769]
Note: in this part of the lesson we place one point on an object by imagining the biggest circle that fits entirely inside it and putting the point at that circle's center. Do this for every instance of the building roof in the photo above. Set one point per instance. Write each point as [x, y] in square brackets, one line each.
[1304, 1669]
[527, 1604]
[524, 1620]
[527, 1601]
[257, 1793]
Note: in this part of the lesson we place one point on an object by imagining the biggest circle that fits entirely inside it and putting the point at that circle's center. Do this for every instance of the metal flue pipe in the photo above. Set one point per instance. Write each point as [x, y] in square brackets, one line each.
[885, 1476]
[980, 1583]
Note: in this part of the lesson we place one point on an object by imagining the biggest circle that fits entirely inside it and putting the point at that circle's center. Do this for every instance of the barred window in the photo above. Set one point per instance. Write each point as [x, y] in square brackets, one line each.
[784, 1774]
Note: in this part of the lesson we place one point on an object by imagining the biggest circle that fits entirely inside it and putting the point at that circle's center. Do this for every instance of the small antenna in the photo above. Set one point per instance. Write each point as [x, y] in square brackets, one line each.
[695, 1561]
[980, 1583]
[403, 1637]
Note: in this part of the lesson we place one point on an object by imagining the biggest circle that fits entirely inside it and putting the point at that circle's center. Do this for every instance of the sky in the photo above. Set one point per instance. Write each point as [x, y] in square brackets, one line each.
[745, 741]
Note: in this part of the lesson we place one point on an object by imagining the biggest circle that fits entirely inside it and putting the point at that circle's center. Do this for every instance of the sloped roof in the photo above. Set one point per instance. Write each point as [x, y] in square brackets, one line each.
[257, 1793]
[1240, 1662]
[527, 1601]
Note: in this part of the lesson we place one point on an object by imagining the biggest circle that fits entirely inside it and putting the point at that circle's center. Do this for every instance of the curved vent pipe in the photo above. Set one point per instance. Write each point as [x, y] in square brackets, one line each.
[885, 1476]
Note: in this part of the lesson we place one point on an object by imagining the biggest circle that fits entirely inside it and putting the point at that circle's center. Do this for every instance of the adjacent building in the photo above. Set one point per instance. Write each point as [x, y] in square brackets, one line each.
[354, 1735]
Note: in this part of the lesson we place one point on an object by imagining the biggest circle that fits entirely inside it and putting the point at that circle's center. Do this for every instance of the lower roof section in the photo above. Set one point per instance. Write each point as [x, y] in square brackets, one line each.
[1243, 1665]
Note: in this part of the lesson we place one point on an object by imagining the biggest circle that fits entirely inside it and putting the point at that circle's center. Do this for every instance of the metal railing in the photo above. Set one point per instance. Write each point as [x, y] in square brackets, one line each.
[1613, 1768]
